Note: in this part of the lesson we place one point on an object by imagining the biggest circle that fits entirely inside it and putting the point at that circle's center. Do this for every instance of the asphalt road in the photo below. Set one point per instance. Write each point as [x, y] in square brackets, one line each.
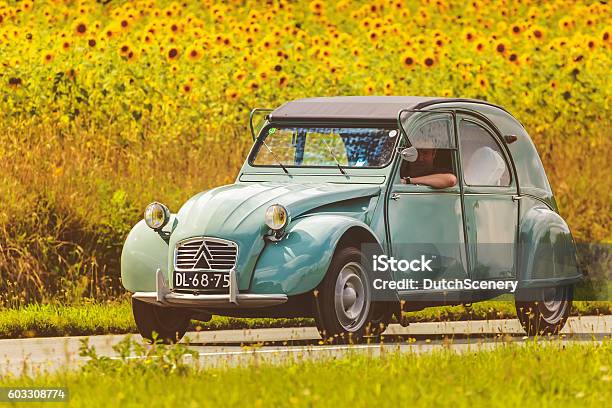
[235, 347]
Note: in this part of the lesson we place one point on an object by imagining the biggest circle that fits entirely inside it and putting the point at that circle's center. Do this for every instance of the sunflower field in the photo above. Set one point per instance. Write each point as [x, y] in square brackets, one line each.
[107, 105]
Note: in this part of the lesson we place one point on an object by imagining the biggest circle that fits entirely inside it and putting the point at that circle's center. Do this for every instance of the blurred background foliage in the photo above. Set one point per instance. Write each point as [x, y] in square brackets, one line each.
[108, 105]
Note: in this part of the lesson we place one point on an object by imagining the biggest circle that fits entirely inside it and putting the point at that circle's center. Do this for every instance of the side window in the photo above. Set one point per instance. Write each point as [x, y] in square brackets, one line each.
[482, 158]
[433, 136]
[429, 161]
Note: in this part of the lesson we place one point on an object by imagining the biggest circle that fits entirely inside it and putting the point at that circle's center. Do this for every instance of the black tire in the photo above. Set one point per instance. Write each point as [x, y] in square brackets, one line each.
[380, 318]
[544, 311]
[331, 314]
[169, 324]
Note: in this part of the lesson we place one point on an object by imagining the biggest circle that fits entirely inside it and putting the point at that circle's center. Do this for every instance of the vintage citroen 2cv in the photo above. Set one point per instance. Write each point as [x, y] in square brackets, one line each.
[354, 209]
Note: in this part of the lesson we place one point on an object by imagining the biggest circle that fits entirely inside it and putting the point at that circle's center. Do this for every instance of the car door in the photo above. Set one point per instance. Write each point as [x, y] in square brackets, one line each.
[489, 200]
[424, 221]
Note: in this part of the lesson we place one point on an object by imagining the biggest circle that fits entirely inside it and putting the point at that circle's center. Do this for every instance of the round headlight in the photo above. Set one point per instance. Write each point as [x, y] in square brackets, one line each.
[156, 215]
[276, 217]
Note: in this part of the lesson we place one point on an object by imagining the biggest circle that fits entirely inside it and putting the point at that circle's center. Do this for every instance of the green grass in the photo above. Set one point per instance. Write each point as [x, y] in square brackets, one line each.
[37, 320]
[542, 374]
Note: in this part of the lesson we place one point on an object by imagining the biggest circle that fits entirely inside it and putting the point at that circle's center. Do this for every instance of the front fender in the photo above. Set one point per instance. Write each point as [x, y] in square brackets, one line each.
[144, 251]
[548, 253]
[298, 263]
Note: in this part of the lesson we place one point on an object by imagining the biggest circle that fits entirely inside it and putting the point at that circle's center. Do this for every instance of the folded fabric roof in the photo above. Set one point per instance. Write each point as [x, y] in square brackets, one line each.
[381, 108]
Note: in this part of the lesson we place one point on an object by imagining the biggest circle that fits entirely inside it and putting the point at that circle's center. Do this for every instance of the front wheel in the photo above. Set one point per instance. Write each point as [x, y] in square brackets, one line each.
[344, 310]
[544, 311]
[169, 324]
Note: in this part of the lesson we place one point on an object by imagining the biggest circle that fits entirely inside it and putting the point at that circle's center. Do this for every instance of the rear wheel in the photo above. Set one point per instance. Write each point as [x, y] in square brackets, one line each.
[544, 311]
[345, 311]
[169, 324]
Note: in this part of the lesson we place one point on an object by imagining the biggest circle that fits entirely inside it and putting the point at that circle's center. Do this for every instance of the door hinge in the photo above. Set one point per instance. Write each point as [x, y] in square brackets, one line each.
[516, 197]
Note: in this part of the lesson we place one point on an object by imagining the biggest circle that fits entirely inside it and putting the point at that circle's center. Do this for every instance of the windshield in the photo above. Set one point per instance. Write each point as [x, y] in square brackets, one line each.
[324, 146]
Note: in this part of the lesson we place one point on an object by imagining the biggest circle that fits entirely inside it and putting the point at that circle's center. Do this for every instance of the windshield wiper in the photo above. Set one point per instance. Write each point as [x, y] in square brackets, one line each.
[276, 158]
[334, 157]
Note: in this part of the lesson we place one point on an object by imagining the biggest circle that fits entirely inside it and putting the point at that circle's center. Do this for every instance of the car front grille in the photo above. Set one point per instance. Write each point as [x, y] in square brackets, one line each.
[205, 254]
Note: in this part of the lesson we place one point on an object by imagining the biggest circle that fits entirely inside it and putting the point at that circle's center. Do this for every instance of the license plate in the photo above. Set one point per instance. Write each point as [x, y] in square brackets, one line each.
[217, 281]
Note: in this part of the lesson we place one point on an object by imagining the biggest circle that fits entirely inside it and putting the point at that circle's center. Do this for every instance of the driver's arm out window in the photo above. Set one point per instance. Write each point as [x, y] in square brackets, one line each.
[443, 162]
[434, 140]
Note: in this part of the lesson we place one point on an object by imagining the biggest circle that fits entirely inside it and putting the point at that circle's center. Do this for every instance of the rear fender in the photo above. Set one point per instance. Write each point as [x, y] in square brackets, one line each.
[547, 250]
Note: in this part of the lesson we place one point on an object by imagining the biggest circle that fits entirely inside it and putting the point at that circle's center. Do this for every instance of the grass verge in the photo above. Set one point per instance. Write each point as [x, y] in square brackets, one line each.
[38, 320]
[533, 374]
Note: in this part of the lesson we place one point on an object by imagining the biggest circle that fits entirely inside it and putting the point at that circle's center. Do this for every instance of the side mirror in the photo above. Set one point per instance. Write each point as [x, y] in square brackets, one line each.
[410, 154]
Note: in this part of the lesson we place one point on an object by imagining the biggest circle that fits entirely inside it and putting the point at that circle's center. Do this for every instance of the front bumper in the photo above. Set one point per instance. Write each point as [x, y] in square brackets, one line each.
[164, 296]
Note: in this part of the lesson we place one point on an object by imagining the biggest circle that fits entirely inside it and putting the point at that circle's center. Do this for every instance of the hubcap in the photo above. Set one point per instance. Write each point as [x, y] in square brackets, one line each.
[550, 299]
[555, 302]
[352, 297]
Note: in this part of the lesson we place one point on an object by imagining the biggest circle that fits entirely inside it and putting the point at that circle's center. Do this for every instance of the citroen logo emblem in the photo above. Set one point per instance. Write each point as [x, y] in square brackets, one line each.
[201, 258]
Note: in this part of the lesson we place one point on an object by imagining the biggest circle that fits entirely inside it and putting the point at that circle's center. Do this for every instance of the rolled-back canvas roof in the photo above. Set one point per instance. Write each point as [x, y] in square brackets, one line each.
[362, 108]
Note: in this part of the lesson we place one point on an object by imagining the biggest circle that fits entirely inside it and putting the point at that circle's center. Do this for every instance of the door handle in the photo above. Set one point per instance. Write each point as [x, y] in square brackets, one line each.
[516, 197]
[395, 196]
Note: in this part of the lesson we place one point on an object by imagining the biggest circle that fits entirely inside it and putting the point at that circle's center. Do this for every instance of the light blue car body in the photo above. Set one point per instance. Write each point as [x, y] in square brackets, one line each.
[328, 209]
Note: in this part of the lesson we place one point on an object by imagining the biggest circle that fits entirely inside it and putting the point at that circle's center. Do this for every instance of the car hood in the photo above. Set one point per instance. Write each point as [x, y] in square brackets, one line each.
[236, 212]
[231, 208]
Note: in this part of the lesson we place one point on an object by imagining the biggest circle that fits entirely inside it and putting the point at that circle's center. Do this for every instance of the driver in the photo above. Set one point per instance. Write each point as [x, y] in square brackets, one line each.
[422, 171]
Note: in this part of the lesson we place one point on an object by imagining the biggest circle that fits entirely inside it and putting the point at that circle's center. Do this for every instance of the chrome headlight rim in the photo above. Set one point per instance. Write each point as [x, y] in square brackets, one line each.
[156, 215]
[271, 217]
